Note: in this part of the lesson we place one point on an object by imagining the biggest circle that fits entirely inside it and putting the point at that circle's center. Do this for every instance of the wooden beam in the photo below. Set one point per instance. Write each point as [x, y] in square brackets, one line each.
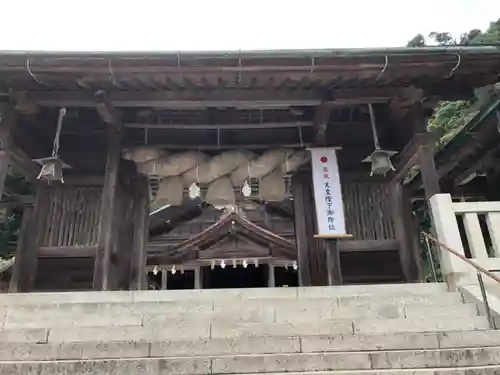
[260, 146]
[83, 180]
[141, 229]
[350, 246]
[266, 125]
[102, 269]
[196, 99]
[67, 251]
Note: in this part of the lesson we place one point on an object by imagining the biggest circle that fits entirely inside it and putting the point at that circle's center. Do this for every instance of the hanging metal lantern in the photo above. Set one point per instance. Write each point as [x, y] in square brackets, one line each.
[380, 159]
[52, 166]
[381, 162]
[52, 169]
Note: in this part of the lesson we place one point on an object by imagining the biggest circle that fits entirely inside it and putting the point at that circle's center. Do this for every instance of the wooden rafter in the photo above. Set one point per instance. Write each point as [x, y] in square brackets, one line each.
[484, 161]
[190, 99]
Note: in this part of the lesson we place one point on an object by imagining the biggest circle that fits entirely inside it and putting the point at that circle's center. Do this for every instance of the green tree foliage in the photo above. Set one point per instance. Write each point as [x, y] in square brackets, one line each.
[417, 41]
[11, 223]
[450, 117]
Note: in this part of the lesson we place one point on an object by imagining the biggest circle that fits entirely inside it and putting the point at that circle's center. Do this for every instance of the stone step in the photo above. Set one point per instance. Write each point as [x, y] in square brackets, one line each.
[363, 326]
[47, 349]
[228, 319]
[421, 324]
[371, 290]
[104, 315]
[474, 370]
[413, 359]
[361, 303]
[188, 330]
[383, 361]
[223, 294]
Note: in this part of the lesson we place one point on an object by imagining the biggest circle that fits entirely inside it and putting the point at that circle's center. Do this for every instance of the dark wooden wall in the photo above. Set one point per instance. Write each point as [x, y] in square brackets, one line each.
[62, 236]
[367, 210]
[73, 216]
[68, 225]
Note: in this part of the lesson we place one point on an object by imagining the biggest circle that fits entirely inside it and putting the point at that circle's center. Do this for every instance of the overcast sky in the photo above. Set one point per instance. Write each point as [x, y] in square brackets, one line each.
[231, 24]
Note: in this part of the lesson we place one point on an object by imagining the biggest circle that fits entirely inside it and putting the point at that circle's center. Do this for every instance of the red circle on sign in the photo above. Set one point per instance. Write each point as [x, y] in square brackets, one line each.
[324, 159]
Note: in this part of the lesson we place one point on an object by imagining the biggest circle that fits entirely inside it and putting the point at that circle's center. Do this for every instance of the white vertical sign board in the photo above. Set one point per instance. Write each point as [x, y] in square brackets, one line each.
[327, 192]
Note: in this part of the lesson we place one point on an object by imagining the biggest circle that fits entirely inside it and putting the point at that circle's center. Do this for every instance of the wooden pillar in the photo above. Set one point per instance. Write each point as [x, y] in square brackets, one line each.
[428, 171]
[400, 228]
[302, 237]
[413, 238]
[271, 283]
[164, 278]
[22, 265]
[7, 122]
[32, 226]
[197, 278]
[320, 252]
[4, 166]
[123, 231]
[333, 262]
[103, 267]
[141, 234]
[425, 152]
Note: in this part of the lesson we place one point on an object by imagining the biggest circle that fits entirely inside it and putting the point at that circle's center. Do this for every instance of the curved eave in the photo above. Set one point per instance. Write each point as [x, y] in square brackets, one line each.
[223, 226]
[339, 52]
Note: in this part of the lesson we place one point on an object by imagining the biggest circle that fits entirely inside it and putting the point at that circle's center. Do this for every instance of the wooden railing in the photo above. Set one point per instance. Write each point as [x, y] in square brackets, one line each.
[480, 272]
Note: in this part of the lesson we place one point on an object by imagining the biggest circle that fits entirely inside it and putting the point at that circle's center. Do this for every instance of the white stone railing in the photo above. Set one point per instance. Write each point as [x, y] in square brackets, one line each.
[444, 215]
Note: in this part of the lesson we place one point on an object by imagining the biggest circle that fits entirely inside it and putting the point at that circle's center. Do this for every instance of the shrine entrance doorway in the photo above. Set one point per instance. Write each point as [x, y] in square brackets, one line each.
[235, 277]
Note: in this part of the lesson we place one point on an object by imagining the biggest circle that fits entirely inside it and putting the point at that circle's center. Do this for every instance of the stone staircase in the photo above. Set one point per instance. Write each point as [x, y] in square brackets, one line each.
[379, 329]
